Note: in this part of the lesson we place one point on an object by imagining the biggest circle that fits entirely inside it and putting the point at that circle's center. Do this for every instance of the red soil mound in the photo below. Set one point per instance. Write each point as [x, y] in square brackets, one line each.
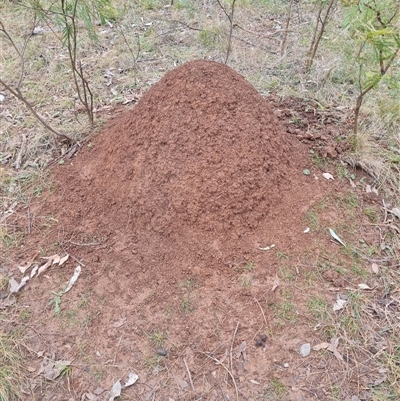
[200, 159]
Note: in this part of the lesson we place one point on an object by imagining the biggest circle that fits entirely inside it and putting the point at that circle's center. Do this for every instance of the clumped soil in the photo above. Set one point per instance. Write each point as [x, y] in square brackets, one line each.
[167, 209]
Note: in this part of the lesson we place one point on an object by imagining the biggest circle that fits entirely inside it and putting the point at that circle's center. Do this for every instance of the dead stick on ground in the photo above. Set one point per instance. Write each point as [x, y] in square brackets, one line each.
[261, 309]
[116, 351]
[232, 344]
[190, 376]
[229, 372]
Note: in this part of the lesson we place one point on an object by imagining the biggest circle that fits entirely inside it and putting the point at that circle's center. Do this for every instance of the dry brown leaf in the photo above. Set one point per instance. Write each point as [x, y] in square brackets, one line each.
[320, 346]
[276, 283]
[375, 268]
[63, 259]
[333, 348]
[44, 267]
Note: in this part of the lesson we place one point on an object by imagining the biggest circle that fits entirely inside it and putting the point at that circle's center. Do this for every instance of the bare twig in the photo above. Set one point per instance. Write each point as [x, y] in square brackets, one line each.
[228, 371]
[17, 93]
[84, 93]
[315, 43]
[232, 344]
[17, 90]
[21, 153]
[189, 375]
[262, 312]
[285, 32]
[230, 18]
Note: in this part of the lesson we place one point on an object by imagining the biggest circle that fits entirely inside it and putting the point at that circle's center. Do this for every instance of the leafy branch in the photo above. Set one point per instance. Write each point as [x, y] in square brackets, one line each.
[373, 24]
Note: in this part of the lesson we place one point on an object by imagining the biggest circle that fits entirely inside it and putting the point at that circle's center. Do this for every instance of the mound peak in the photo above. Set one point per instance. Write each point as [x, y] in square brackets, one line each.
[201, 148]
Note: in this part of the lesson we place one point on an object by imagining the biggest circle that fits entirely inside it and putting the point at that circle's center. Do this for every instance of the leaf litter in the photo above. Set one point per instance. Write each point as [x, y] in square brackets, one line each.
[37, 269]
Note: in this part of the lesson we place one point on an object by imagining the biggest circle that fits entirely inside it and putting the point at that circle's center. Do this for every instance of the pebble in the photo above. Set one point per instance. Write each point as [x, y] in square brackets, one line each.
[305, 349]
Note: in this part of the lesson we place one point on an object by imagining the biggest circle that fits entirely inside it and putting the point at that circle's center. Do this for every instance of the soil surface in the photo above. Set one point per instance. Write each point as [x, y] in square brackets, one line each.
[168, 209]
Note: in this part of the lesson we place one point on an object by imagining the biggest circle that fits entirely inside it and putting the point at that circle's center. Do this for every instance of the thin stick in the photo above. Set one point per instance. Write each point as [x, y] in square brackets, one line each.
[285, 32]
[261, 309]
[229, 372]
[190, 376]
[232, 343]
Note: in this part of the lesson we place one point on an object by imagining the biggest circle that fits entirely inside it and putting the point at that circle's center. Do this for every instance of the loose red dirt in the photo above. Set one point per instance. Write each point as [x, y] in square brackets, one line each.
[167, 210]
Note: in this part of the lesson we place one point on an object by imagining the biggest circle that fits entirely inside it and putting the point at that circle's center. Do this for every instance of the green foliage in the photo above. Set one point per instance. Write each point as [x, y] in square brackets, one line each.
[375, 30]
[209, 37]
[56, 301]
[64, 14]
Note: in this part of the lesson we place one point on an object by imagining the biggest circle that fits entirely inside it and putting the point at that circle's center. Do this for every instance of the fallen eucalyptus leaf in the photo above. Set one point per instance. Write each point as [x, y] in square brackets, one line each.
[327, 176]
[333, 348]
[52, 369]
[395, 211]
[34, 271]
[132, 379]
[73, 278]
[115, 391]
[375, 268]
[25, 267]
[364, 287]
[15, 286]
[276, 284]
[44, 267]
[63, 260]
[339, 304]
[336, 237]
[267, 248]
[320, 346]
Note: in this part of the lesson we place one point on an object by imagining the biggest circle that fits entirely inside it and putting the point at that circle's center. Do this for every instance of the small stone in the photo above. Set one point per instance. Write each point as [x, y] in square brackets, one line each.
[259, 343]
[162, 352]
[305, 350]
[286, 365]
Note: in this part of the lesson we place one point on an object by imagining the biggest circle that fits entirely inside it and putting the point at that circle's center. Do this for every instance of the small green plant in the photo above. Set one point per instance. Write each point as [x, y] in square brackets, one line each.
[25, 315]
[210, 36]
[275, 391]
[157, 337]
[318, 307]
[372, 214]
[285, 310]
[245, 282]
[150, 4]
[55, 302]
[374, 28]
[283, 255]
[287, 273]
[188, 284]
[312, 219]
[152, 362]
[187, 305]
[335, 392]
[246, 267]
